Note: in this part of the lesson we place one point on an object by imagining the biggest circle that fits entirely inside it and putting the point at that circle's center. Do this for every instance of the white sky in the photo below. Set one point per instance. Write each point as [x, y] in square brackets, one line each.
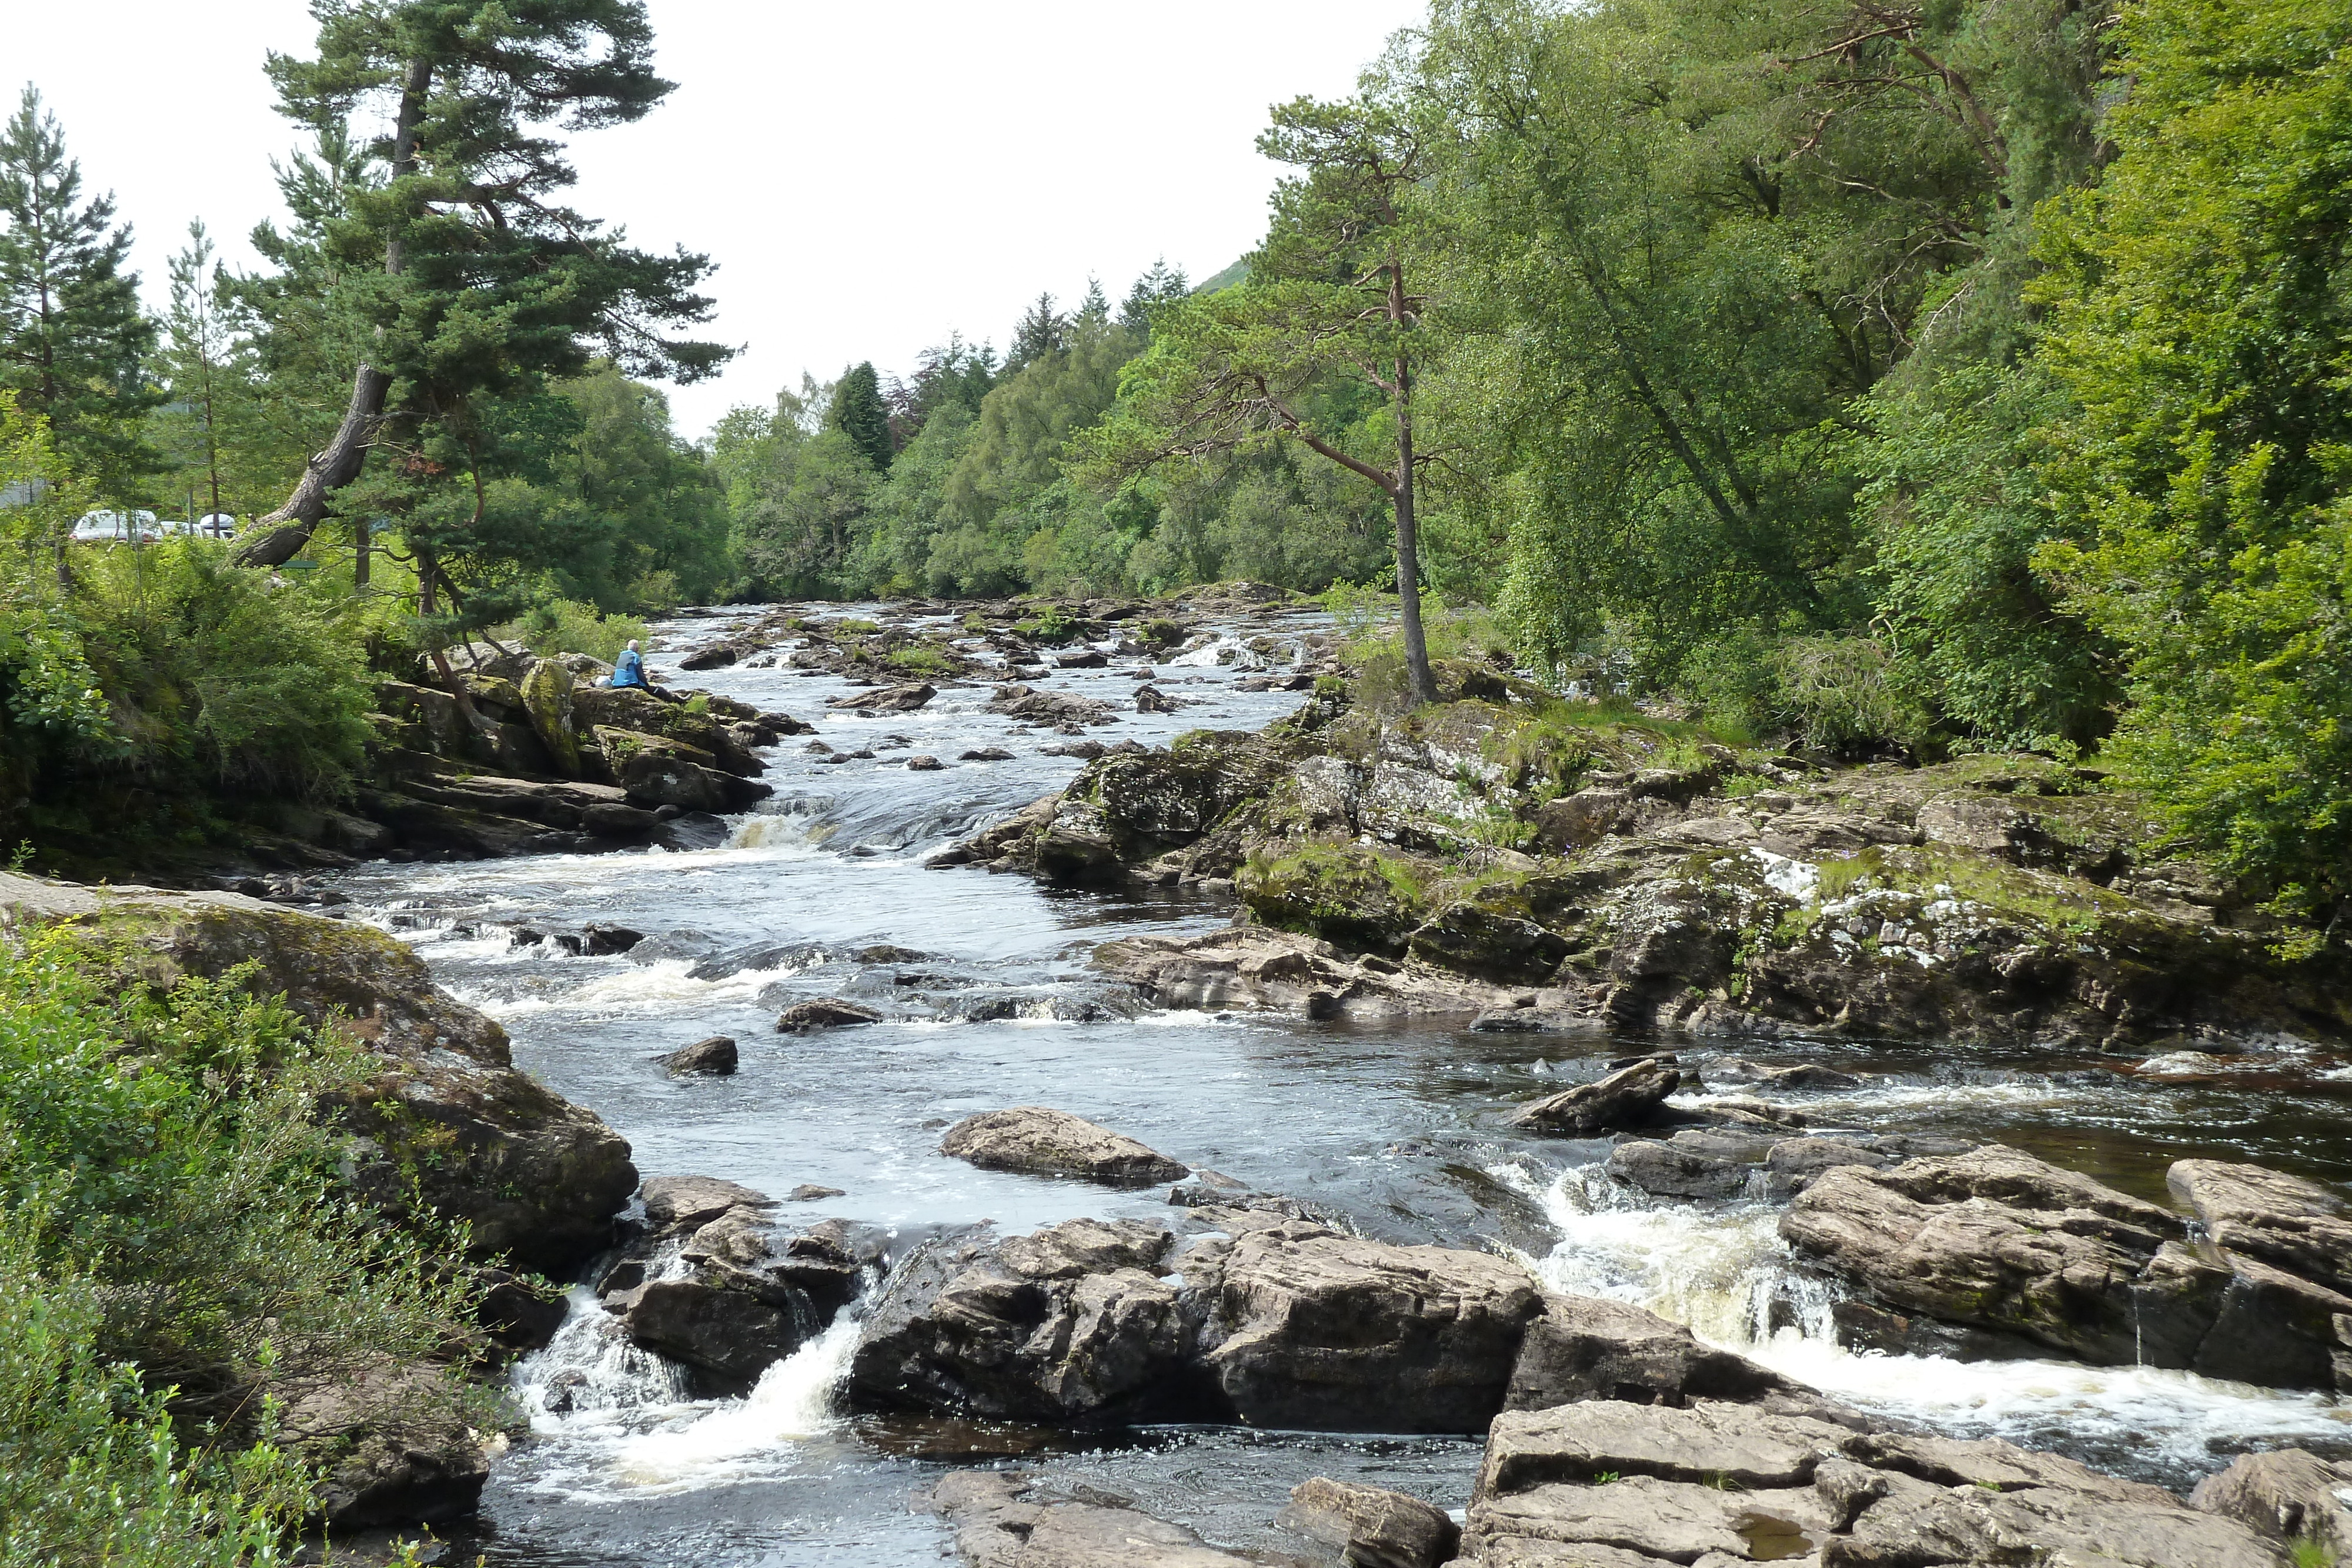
[867, 179]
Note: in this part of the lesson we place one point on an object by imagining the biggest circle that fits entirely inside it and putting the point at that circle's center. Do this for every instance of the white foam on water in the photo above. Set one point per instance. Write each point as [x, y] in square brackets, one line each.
[791, 1401]
[1723, 1270]
[615, 1421]
[655, 987]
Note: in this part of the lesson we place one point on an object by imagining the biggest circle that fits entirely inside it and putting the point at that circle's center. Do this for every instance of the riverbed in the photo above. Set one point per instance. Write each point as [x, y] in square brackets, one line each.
[1400, 1130]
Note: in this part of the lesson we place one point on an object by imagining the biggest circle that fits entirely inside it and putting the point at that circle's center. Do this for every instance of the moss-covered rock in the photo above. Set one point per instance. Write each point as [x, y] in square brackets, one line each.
[1350, 894]
[448, 1117]
[546, 694]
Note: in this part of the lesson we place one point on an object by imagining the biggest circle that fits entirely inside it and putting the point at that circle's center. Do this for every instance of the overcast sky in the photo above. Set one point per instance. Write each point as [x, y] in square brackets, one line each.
[867, 177]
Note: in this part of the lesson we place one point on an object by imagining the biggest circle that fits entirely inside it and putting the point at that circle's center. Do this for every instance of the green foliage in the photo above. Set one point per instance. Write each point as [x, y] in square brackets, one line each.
[177, 1250]
[73, 338]
[859, 413]
[567, 626]
[2310, 1551]
[2199, 319]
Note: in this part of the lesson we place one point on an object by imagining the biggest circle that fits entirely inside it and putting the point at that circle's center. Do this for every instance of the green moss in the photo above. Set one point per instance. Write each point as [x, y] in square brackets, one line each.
[1352, 895]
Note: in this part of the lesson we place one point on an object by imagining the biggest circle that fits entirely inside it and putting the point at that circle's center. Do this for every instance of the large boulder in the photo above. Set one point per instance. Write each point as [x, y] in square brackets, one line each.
[546, 692]
[1583, 1348]
[2288, 1496]
[1036, 1140]
[1997, 1239]
[2249, 1211]
[1605, 1484]
[534, 1175]
[903, 698]
[1072, 1324]
[1304, 1327]
[745, 1292]
[1627, 1097]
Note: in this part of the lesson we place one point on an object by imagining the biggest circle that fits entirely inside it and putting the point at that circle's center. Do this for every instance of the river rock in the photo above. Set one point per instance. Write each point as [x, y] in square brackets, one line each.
[546, 692]
[1152, 699]
[1036, 1140]
[2252, 1212]
[1625, 1098]
[824, 1012]
[392, 1446]
[1305, 1327]
[1997, 1239]
[714, 1056]
[1803, 1075]
[920, 763]
[1013, 1519]
[2285, 1496]
[1373, 1526]
[718, 1285]
[1582, 1347]
[1609, 1484]
[1035, 707]
[903, 698]
[1072, 1324]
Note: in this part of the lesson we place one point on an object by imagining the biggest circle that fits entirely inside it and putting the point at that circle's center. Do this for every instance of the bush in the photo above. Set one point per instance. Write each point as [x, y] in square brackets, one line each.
[1835, 694]
[568, 626]
[216, 679]
[179, 1249]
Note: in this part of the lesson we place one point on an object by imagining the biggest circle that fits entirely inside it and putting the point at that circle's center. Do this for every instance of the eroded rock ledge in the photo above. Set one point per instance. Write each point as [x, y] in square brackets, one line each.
[1507, 857]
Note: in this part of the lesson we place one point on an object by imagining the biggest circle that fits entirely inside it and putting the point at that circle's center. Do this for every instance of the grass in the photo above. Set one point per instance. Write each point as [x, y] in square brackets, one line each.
[921, 661]
[2310, 1551]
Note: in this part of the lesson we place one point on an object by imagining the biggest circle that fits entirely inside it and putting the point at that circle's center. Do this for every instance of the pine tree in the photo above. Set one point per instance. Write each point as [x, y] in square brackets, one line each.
[1094, 310]
[1042, 331]
[1160, 284]
[467, 280]
[859, 412]
[72, 336]
[197, 347]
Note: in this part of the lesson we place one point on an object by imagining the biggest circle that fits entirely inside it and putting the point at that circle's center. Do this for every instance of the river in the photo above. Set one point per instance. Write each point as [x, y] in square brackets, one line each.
[1399, 1128]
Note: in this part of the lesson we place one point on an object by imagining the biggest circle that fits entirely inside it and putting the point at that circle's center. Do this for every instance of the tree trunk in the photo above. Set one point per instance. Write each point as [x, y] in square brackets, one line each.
[1408, 538]
[1408, 551]
[346, 454]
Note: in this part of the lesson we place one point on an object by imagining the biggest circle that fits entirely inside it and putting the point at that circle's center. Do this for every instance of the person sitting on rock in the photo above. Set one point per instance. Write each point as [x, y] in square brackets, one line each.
[629, 670]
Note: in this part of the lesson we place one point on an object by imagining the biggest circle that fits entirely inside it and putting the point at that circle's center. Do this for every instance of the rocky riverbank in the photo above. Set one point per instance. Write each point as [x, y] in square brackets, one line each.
[1551, 865]
[1613, 1439]
[445, 1121]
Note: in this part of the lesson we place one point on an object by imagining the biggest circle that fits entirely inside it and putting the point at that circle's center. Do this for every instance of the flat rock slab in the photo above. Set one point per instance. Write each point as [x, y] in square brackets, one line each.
[690, 1202]
[1037, 1140]
[1015, 1520]
[1708, 1441]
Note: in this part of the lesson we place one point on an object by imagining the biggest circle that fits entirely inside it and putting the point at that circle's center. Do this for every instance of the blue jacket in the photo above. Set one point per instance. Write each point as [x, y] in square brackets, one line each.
[629, 670]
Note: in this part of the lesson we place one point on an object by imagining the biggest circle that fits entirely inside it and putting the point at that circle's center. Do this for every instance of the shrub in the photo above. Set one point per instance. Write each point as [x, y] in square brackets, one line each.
[568, 626]
[1835, 694]
[218, 678]
[179, 1246]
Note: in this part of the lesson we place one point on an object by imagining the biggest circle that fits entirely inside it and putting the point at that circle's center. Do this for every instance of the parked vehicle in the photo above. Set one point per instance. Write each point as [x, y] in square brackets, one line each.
[115, 528]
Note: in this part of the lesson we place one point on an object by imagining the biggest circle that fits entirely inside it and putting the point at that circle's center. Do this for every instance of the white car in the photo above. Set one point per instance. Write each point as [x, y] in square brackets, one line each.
[211, 525]
[115, 526]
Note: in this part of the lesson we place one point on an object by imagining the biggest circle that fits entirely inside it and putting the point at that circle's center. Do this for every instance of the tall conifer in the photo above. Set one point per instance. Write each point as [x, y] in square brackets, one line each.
[72, 336]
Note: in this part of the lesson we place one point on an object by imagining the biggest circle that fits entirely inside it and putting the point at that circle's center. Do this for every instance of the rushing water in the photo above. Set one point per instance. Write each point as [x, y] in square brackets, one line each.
[1399, 1128]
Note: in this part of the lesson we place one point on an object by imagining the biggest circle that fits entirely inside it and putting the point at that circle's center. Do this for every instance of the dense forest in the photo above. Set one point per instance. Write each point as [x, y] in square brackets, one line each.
[1920, 377]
